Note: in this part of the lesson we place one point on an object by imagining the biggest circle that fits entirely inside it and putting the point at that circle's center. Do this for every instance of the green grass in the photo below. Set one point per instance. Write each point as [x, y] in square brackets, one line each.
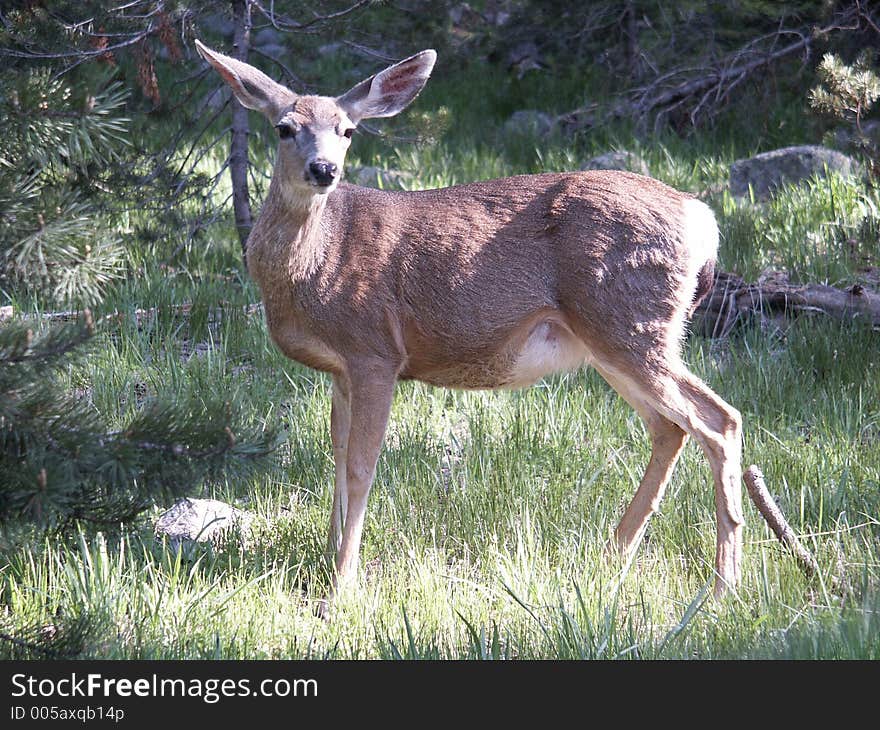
[490, 513]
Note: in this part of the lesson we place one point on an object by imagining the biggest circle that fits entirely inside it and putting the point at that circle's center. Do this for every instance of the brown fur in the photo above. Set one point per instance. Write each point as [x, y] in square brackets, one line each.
[501, 255]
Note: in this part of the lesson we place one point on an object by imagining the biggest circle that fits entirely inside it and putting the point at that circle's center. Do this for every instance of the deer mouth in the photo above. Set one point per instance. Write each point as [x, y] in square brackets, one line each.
[321, 187]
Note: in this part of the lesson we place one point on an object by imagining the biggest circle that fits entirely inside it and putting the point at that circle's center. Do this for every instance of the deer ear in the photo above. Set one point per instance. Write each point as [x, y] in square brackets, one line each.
[389, 91]
[251, 86]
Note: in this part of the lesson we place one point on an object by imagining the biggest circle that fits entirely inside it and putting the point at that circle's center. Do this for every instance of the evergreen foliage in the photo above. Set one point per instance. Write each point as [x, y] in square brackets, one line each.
[56, 141]
[846, 93]
[66, 165]
[61, 461]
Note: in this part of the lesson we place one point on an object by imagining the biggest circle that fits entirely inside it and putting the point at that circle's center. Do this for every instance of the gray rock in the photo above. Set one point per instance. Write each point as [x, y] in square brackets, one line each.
[846, 137]
[376, 177]
[498, 17]
[200, 520]
[267, 37]
[524, 57]
[770, 170]
[463, 16]
[529, 122]
[619, 160]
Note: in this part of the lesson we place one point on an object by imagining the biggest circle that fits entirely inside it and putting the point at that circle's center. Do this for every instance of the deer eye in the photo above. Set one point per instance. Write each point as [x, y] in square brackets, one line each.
[348, 132]
[285, 131]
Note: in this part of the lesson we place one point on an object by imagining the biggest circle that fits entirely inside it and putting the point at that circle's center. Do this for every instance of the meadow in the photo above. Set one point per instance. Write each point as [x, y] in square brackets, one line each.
[491, 511]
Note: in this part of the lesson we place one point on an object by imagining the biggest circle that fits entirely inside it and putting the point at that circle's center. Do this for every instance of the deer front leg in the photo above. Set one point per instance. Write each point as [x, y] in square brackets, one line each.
[370, 395]
[340, 422]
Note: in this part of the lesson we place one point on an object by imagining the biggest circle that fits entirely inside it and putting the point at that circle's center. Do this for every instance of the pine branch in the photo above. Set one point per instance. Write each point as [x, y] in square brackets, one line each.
[703, 89]
[49, 639]
[60, 462]
[17, 345]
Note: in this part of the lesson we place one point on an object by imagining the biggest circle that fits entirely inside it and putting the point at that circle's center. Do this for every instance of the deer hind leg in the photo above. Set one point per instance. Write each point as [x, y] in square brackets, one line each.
[340, 422]
[717, 427]
[667, 441]
[669, 397]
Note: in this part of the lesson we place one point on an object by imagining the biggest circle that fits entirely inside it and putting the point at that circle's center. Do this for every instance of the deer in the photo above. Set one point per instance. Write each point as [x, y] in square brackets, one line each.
[492, 284]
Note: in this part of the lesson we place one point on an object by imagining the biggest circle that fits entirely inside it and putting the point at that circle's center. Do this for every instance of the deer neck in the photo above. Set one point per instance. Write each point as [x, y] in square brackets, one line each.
[295, 228]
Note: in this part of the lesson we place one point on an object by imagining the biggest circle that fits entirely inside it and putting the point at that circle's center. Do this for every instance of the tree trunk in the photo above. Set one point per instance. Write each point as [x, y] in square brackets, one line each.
[632, 40]
[238, 149]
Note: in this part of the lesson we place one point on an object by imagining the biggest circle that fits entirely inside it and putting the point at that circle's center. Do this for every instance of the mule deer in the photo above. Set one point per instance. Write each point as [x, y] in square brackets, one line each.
[488, 285]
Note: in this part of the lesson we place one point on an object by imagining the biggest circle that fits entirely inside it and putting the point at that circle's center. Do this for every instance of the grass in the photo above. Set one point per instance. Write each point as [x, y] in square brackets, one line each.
[490, 513]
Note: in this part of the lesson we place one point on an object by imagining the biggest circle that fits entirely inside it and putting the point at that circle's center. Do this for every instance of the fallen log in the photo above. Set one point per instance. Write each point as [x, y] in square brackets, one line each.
[733, 301]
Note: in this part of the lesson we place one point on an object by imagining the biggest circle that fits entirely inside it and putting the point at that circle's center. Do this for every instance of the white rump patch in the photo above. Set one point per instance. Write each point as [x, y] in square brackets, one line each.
[700, 239]
[700, 234]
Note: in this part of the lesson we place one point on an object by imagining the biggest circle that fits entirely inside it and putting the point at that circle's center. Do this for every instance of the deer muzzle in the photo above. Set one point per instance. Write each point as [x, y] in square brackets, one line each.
[322, 174]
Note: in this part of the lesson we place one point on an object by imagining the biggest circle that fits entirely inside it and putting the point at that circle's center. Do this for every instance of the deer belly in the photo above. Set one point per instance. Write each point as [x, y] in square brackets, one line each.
[306, 349]
[541, 346]
[550, 347]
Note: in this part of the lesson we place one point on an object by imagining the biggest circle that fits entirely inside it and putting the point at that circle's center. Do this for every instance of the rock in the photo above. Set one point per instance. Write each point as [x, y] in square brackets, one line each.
[464, 17]
[770, 170]
[524, 57]
[847, 137]
[267, 37]
[376, 177]
[496, 14]
[200, 520]
[529, 122]
[6, 312]
[619, 160]
[197, 351]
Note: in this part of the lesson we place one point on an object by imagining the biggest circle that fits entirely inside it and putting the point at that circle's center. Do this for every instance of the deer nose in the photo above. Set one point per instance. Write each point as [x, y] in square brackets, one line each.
[323, 172]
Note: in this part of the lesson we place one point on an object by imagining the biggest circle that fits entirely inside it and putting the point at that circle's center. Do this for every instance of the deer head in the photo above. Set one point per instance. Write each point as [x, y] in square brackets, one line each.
[315, 131]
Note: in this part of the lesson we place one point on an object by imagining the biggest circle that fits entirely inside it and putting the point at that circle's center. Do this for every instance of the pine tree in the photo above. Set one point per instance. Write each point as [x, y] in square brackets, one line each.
[60, 459]
[55, 139]
[61, 462]
[67, 169]
[846, 93]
